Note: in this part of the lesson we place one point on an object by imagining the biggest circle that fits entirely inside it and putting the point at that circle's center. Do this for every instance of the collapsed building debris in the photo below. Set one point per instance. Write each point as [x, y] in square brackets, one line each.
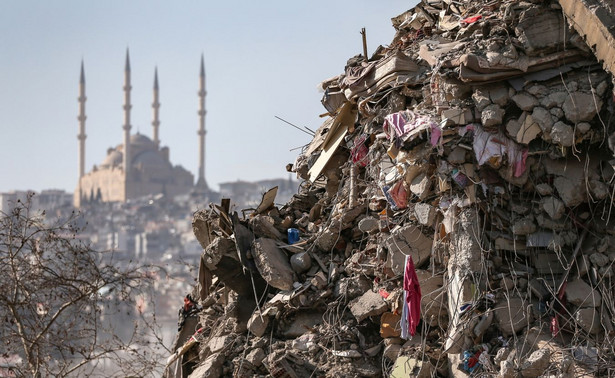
[455, 217]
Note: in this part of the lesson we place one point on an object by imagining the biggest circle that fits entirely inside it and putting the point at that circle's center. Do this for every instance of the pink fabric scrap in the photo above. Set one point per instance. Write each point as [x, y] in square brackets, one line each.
[472, 19]
[413, 296]
[436, 135]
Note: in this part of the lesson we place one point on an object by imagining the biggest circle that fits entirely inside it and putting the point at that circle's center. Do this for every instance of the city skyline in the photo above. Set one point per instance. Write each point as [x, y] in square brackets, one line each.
[261, 60]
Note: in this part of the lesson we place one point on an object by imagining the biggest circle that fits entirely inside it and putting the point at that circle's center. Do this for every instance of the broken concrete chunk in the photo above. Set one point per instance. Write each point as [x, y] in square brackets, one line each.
[540, 30]
[210, 368]
[492, 115]
[598, 189]
[580, 106]
[543, 118]
[351, 287]
[368, 224]
[562, 134]
[536, 364]
[392, 351]
[425, 214]
[499, 95]
[528, 130]
[544, 189]
[433, 299]
[550, 224]
[583, 127]
[581, 294]
[572, 192]
[588, 319]
[273, 264]
[457, 116]
[264, 226]
[514, 125]
[481, 100]
[553, 207]
[319, 281]
[369, 304]
[525, 101]
[256, 357]
[557, 113]
[328, 237]
[484, 323]
[512, 315]
[257, 324]
[218, 343]
[524, 226]
[301, 262]
[408, 240]
[538, 90]
[558, 97]
[421, 186]
[406, 366]
[599, 259]
[457, 156]
[302, 323]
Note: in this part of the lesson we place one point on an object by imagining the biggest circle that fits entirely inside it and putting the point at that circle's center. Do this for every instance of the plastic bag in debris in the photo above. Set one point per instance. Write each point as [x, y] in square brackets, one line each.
[472, 357]
[491, 148]
[406, 125]
[360, 150]
[396, 195]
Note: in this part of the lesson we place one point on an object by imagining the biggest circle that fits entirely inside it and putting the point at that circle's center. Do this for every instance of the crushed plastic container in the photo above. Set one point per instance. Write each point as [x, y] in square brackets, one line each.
[293, 235]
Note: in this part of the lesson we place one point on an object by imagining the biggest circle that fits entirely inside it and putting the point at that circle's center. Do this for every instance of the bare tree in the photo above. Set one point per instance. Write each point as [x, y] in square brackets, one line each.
[67, 310]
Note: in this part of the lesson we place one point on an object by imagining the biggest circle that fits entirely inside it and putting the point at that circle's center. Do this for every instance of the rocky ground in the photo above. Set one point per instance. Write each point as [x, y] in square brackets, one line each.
[477, 143]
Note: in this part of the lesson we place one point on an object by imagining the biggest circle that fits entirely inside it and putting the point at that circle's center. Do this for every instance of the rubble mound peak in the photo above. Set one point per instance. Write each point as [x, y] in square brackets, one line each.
[455, 217]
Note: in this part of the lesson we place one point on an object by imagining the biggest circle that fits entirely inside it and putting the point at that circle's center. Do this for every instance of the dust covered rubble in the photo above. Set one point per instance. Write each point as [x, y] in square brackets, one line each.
[477, 143]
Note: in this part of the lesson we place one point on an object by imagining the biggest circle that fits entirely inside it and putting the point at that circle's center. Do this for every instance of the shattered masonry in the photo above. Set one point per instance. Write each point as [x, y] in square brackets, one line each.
[477, 146]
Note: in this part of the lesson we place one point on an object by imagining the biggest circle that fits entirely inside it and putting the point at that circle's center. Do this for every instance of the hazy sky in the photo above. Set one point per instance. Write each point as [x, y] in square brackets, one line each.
[262, 59]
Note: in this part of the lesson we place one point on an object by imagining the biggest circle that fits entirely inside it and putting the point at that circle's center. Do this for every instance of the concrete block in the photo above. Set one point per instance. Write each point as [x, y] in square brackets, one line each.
[369, 304]
[512, 315]
[525, 101]
[273, 264]
[408, 240]
[425, 214]
[258, 325]
[581, 294]
[492, 115]
[256, 357]
[580, 106]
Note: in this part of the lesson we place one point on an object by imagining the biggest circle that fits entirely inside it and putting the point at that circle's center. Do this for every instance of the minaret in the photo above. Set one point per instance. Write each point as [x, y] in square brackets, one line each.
[81, 136]
[127, 126]
[156, 107]
[201, 183]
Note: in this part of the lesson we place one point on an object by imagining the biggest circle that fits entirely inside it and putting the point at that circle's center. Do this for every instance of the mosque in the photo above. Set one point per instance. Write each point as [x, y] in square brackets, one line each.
[139, 166]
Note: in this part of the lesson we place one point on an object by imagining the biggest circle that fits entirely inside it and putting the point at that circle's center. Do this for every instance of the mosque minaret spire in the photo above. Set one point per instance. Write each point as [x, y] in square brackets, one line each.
[127, 126]
[202, 93]
[81, 136]
[82, 117]
[156, 108]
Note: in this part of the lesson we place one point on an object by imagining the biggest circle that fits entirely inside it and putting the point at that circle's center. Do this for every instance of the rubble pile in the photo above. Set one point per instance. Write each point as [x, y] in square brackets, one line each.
[463, 171]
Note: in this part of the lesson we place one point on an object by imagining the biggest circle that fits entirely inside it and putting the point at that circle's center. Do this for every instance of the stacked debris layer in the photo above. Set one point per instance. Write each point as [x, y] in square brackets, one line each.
[476, 143]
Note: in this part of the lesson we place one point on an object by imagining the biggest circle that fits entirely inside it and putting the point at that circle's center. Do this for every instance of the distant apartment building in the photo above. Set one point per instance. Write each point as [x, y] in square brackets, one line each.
[45, 200]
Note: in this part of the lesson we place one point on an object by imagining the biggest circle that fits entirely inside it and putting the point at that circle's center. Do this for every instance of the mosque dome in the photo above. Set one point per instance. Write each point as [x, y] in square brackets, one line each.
[150, 159]
[113, 159]
[140, 140]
